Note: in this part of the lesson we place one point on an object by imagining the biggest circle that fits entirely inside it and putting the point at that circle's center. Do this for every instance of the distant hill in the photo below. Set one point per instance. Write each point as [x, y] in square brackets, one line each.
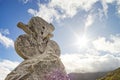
[86, 76]
[113, 75]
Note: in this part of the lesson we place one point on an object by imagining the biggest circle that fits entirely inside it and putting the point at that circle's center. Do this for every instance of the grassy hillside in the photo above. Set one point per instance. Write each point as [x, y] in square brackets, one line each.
[113, 75]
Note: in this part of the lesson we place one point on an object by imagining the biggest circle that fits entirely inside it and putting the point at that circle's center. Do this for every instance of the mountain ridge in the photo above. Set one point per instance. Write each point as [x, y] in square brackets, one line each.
[86, 76]
[113, 75]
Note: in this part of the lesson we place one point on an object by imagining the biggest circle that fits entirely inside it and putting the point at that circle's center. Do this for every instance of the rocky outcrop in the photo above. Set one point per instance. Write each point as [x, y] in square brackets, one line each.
[40, 54]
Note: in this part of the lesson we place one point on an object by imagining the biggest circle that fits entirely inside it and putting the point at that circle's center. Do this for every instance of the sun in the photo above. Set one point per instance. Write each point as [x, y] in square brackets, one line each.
[81, 41]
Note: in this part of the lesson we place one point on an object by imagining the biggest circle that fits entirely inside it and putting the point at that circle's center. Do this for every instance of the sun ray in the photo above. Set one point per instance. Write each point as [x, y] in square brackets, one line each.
[81, 41]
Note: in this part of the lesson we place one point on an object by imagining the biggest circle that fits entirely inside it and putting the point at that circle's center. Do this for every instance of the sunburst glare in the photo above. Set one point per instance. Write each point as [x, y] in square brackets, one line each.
[81, 41]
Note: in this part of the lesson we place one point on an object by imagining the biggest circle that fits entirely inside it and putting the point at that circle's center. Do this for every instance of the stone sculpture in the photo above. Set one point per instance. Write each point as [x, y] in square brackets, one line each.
[40, 54]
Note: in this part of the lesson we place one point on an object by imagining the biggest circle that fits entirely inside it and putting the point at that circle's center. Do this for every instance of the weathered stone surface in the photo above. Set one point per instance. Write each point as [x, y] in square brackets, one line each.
[35, 41]
[40, 54]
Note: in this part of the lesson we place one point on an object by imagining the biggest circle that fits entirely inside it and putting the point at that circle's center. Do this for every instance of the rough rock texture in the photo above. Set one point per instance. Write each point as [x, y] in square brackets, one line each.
[40, 54]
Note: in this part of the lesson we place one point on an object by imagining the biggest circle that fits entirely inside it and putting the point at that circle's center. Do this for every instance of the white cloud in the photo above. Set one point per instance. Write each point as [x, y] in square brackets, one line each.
[6, 41]
[45, 12]
[4, 31]
[57, 9]
[105, 7]
[109, 1]
[104, 11]
[93, 58]
[112, 45]
[31, 11]
[118, 7]
[89, 21]
[77, 62]
[25, 1]
[5, 67]
[71, 7]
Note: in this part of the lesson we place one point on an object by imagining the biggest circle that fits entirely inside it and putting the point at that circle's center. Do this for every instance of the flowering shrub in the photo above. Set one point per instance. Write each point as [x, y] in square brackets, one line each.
[56, 75]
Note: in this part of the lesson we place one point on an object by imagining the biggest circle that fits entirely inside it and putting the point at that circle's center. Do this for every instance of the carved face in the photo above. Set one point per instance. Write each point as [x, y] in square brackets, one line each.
[40, 27]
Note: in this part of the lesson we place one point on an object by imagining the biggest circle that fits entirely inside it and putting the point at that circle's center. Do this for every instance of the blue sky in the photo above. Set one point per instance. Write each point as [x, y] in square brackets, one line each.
[88, 32]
